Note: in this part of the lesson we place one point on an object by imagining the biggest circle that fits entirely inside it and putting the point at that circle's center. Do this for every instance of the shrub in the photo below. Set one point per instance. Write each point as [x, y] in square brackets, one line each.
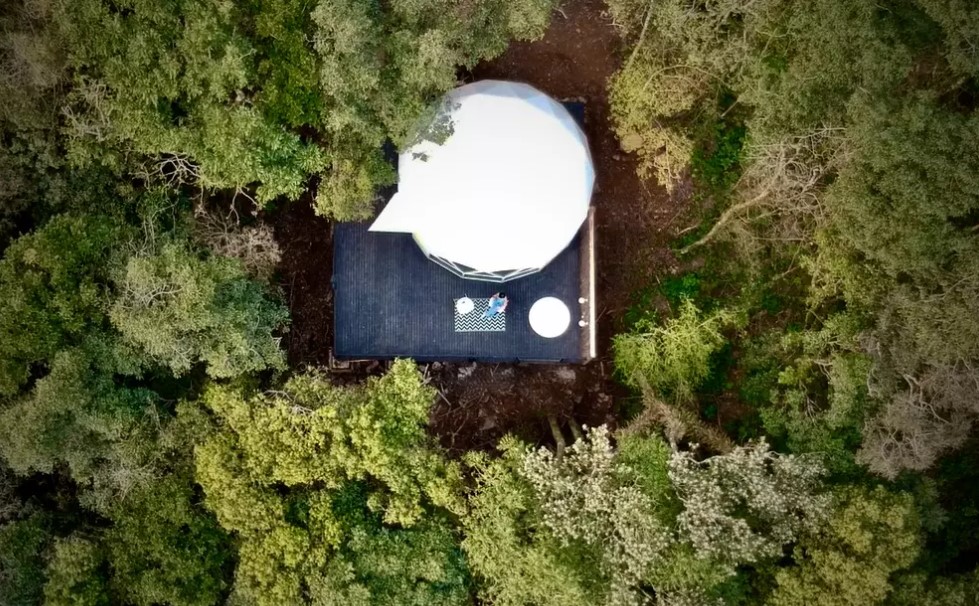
[672, 359]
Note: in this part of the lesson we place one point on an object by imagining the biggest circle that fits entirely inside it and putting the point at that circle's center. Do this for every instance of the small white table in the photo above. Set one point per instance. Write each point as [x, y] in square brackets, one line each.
[464, 305]
[549, 317]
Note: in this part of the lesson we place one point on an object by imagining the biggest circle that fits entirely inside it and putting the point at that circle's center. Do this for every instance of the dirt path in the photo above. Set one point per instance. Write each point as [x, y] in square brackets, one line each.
[305, 273]
[635, 221]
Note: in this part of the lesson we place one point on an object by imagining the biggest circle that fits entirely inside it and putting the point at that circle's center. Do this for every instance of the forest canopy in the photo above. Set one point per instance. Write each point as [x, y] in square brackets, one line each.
[158, 446]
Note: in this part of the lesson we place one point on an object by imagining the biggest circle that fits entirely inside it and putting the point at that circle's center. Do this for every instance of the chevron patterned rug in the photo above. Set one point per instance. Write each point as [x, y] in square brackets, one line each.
[474, 320]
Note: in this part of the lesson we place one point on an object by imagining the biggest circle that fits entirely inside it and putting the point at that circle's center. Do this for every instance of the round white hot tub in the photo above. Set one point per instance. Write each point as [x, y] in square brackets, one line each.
[550, 317]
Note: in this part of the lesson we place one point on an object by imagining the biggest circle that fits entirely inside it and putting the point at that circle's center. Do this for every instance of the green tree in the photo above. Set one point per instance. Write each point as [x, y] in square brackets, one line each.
[78, 416]
[81, 404]
[915, 589]
[215, 94]
[288, 67]
[163, 548]
[336, 494]
[65, 285]
[181, 309]
[884, 202]
[959, 21]
[745, 506]
[909, 260]
[779, 58]
[604, 525]
[32, 66]
[54, 285]
[819, 401]
[672, 359]
[22, 575]
[171, 81]
[853, 113]
[77, 574]
[850, 560]
[154, 546]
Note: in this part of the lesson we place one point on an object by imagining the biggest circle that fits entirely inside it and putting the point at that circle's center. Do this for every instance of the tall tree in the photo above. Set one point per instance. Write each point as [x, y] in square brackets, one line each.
[336, 494]
[182, 309]
[605, 525]
[265, 95]
[872, 534]
[839, 170]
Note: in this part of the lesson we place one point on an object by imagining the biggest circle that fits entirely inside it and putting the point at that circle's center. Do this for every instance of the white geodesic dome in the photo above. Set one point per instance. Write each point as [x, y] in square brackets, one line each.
[505, 193]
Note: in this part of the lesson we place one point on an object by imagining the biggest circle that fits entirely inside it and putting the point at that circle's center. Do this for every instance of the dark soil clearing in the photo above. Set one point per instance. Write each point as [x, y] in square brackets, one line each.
[305, 271]
[635, 221]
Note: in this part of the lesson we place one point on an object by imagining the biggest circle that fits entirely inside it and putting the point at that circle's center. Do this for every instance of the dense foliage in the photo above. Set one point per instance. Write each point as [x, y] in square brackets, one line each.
[807, 395]
[598, 525]
[254, 96]
[132, 473]
[833, 147]
[335, 495]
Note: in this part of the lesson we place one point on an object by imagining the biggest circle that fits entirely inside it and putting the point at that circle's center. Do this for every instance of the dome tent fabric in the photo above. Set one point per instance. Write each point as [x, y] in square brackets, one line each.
[504, 193]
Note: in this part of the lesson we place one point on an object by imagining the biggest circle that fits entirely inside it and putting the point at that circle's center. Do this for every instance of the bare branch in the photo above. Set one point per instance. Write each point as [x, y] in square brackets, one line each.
[784, 180]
